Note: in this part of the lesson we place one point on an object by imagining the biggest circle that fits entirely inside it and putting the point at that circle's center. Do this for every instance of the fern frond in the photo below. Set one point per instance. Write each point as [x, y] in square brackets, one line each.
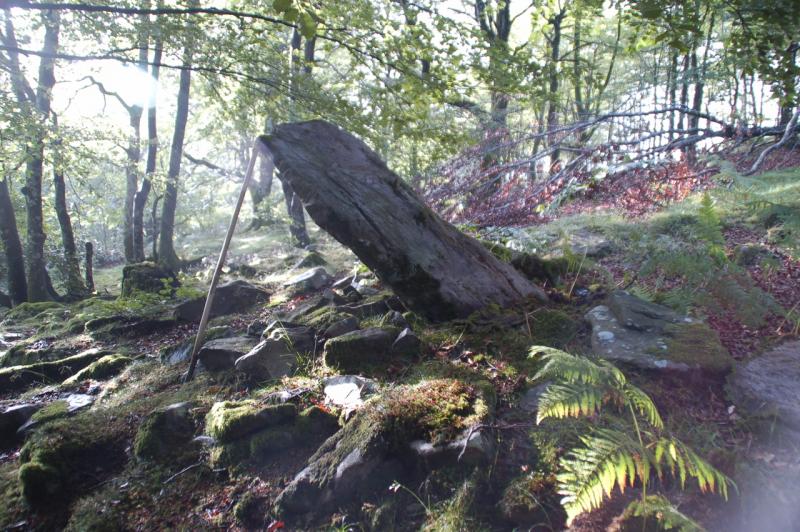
[677, 455]
[666, 515]
[608, 458]
[642, 403]
[570, 400]
[565, 367]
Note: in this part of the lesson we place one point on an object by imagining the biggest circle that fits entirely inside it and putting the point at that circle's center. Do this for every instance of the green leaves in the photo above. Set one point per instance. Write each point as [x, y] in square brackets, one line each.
[616, 456]
[301, 13]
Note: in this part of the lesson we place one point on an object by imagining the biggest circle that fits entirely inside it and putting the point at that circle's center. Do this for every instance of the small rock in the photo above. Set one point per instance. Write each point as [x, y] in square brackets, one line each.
[229, 298]
[221, 354]
[529, 401]
[164, 432]
[12, 418]
[395, 319]
[341, 327]
[312, 259]
[351, 351]
[256, 328]
[270, 359]
[348, 391]
[407, 343]
[308, 281]
[344, 283]
[299, 339]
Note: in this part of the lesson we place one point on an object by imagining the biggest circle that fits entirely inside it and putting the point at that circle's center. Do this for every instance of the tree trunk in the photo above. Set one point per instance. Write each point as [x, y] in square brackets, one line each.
[74, 283]
[552, 107]
[140, 199]
[349, 192]
[297, 221]
[166, 247]
[38, 281]
[17, 285]
[89, 267]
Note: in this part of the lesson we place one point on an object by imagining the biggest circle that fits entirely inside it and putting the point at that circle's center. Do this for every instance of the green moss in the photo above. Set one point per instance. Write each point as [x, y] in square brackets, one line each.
[19, 377]
[697, 345]
[39, 482]
[163, 434]
[551, 327]
[498, 250]
[26, 310]
[103, 368]
[316, 421]
[269, 441]
[436, 410]
[230, 420]
[65, 456]
[322, 318]
[55, 410]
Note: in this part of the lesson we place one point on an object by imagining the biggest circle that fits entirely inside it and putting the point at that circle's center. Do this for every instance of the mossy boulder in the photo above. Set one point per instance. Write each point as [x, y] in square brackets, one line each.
[26, 310]
[638, 333]
[66, 456]
[20, 377]
[51, 411]
[128, 326]
[308, 428]
[231, 420]
[35, 350]
[322, 318]
[353, 351]
[147, 277]
[164, 433]
[103, 368]
[374, 448]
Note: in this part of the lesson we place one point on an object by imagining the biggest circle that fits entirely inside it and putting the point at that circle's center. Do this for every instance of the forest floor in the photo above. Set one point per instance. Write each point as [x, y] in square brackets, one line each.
[730, 257]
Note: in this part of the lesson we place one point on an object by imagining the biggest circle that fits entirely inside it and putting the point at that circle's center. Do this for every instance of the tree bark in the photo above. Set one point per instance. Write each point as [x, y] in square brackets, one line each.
[140, 199]
[552, 107]
[349, 192]
[17, 284]
[38, 102]
[89, 267]
[166, 247]
[75, 287]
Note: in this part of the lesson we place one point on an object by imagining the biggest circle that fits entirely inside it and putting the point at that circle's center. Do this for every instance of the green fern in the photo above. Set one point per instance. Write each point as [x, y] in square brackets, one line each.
[709, 226]
[613, 457]
[666, 515]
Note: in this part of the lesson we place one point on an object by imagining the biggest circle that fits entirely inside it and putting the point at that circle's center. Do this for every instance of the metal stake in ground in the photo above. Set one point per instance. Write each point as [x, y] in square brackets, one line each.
[201, 330]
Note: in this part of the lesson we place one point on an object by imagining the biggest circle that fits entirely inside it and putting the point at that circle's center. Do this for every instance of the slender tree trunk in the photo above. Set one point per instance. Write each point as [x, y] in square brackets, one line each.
[75, 287]
[89, 267]
[166, 248]
[155, 226]
[140, 200]
[552, 109]
[17, 284]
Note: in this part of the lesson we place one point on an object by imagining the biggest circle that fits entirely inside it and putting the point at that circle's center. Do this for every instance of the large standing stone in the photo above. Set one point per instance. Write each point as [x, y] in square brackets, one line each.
[649, 336]
[349, 192]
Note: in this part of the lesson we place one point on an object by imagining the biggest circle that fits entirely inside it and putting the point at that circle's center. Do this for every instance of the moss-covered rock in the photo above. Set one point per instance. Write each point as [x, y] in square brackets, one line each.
[27, 310]
[147, 277]
[20, 377]
[65, 456]
[231, 420]
[49, 412]
[164, 433]
[315, 421]
[697, 345]
[353, 351]
[322, 318]
[103, 368]
[366, 455]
